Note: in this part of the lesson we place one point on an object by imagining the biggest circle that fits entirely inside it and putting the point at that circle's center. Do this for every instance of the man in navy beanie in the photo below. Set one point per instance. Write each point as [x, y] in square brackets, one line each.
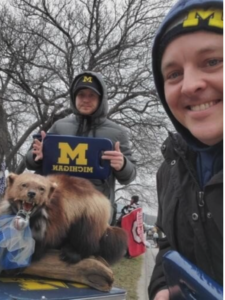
[188, 73]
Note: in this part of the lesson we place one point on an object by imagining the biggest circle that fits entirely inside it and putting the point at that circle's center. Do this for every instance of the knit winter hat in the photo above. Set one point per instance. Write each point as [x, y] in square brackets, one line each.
[207, 19]
[87, 82]
[135, 198]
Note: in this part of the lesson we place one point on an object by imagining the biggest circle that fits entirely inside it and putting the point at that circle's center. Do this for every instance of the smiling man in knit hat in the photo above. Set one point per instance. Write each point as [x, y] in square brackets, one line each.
[89, 103]
[188, 73]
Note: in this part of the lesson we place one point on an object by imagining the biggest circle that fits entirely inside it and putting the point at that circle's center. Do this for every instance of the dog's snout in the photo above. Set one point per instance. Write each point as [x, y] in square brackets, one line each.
[31, 194]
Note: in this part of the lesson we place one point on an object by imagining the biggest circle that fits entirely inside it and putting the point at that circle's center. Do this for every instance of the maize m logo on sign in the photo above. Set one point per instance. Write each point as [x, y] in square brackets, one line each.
[78, 154]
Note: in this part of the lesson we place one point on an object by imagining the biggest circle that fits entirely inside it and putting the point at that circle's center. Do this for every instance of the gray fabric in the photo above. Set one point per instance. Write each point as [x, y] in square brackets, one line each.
[100, 127]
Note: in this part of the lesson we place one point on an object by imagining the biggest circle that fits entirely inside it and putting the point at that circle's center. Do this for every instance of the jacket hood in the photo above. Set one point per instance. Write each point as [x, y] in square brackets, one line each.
[176, 11]
[102, 110]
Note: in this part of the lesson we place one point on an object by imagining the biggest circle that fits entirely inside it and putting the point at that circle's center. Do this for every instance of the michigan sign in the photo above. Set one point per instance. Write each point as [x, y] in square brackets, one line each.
[75, 156]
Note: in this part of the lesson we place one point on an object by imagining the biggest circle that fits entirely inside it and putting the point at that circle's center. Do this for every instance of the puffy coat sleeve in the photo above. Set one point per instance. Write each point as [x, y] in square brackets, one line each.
[128, 172]
[158, 281]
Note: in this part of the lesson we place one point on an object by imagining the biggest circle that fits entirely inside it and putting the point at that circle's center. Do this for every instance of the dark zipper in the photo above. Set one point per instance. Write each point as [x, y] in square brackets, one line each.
[201, 204]
[200, 196]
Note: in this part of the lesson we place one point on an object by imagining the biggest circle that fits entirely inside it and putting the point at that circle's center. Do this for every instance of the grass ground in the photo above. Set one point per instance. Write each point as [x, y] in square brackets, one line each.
[126, 274]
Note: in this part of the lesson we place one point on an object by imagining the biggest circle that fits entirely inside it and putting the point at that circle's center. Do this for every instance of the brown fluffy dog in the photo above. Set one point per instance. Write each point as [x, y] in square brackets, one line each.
[66, 213]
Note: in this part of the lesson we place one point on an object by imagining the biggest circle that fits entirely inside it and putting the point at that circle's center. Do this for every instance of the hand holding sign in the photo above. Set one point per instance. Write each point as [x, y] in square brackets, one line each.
[115, 157]
[38, 146]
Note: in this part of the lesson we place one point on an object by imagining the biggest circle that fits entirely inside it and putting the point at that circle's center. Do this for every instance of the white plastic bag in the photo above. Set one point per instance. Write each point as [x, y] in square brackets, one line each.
[16, 242]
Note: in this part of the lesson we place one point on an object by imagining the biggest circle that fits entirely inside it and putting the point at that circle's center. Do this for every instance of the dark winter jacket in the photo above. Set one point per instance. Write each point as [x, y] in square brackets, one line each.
[190, 217]
[97, 125]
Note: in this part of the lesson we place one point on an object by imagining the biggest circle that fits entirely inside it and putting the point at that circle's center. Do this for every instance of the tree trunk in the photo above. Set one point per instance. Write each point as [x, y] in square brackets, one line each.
[3, 134]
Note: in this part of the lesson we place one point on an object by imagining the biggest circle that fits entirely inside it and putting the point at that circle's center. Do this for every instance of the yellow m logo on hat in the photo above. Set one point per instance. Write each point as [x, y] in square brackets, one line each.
[87, 79]
[214, 16]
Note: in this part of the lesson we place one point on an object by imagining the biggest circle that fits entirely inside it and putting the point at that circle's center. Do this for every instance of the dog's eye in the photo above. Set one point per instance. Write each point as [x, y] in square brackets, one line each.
[41, 189]
[24, 185]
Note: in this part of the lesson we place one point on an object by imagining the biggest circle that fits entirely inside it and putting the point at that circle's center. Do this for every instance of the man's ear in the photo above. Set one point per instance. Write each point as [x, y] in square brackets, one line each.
[11, 178]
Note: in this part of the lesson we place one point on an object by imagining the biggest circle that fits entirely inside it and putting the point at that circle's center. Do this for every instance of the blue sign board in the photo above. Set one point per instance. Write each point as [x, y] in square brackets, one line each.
[76, 156]
[188, 282]
[28, 288]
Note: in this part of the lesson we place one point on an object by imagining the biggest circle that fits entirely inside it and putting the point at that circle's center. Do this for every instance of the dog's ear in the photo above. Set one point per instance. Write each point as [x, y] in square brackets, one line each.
[11, 178]
[52, 188]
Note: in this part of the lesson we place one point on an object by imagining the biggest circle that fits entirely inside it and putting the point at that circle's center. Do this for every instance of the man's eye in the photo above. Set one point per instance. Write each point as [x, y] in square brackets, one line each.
[174, 75]
[213, 62]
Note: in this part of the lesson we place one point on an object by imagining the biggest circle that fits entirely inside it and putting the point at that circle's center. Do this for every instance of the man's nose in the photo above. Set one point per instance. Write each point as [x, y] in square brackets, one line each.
[193, 82]
[86, 99]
